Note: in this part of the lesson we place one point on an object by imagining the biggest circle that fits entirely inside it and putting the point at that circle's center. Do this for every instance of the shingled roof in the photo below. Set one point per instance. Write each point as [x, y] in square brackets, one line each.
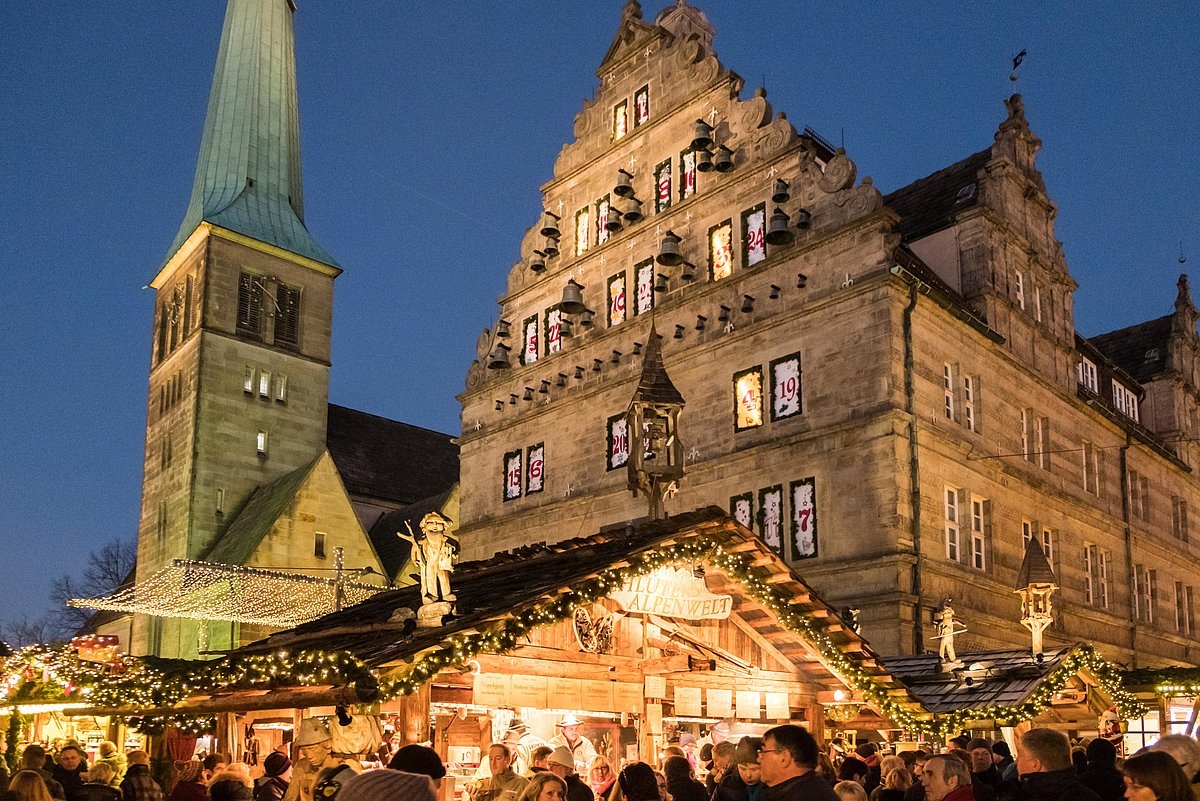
[931, 203]
[266, 505]
[655, 385]
[1035, 568]
[1140, 350]
[388, 460]
[998, 678]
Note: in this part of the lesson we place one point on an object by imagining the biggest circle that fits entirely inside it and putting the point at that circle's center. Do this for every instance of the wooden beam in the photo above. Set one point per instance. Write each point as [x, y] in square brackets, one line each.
[239, 701]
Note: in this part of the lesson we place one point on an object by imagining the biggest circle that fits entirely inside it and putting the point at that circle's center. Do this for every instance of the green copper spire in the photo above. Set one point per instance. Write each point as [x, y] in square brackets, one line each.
[248, 175]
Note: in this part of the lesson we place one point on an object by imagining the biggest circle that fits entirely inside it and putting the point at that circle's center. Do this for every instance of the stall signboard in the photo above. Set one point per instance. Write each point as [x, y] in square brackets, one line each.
[720, 703]
[777, 706]
[749, 704]
[527, 691]
[687, 701]
[656, 687]
[566, 693]
[598, 695]
[627, 696]
[491, 689]
[672, 592]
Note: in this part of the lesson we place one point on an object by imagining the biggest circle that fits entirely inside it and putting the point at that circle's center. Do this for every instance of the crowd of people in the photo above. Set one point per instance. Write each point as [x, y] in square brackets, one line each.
[786, 764]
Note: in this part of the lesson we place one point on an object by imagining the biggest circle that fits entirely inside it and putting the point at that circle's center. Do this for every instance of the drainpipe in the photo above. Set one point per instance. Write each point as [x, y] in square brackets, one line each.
[914, 469]
[1128, 541]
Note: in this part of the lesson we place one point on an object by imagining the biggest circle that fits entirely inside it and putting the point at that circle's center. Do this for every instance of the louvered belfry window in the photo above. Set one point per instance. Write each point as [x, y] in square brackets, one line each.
[287, 321]
[250, 297]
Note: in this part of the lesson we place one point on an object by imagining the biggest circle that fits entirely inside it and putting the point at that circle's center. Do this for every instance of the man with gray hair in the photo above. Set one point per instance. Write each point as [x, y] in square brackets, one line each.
[1046, 771]
[946, 778]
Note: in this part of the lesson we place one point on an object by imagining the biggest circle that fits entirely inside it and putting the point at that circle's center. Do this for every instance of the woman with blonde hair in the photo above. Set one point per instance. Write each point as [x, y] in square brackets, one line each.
[850, 791]
[600, 776]
[544, 786]
[98, 784]
[28, 785]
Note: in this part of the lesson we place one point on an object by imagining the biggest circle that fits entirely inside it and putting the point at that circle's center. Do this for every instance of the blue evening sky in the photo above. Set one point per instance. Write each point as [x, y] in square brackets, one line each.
[427, 129]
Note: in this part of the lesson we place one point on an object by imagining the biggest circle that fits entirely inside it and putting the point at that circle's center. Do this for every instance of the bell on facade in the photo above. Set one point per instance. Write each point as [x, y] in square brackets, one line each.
[725, 312]
[528, 393]
[700, 321]
[801, 280]
[537, 262]
[512, 399]
[804, 219]
[703, 136]
[688, 273]
[578, 371]
[637, 348]
[704, 161]
[669, 254]
[499, 405]
[565, 329]
[679, 332]
[613, 223]
[572, 298]
[747, 304]
[597, 364]
[562, 380]
[616, 357]
[633, 210]
[499, 358]
[775, 292]
[660, 283]
[550, 248]
[724, 160]
[502, 329]
[778, 232]
[588, 319]
[550, 224]
[624, 187]
[544, 389]
[781, 193]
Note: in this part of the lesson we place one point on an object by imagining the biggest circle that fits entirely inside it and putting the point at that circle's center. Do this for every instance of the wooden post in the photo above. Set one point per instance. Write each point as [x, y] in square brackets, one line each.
[413, 726]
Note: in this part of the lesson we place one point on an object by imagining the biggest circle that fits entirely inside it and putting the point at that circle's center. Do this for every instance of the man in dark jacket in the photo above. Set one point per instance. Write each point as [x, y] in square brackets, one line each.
[983, 766]
[562, 765]
[34, 758]
[277, 774]
[1046, 771]
[138, 784]
[1102, 776]
[788, 760]
[69, 770]
[743, 779]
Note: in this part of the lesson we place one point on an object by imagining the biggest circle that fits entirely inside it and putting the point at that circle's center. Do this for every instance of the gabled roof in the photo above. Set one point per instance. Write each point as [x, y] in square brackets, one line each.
[388, 460]
[931, 203]
[254, 521]
[998, 678]
[655, 385]
[1140, 350]
[248, 175]
[1035, 568]
[632, 32]
[393, 552]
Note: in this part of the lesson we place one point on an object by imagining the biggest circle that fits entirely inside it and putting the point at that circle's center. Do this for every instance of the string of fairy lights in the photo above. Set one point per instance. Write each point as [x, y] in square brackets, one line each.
[143, 683]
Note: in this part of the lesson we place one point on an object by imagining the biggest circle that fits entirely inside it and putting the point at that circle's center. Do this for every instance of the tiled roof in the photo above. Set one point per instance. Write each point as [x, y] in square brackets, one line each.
[393, 552]
[266, 505]
[1035, 569]
[997, 678]
[931, 203]
[1140, 350]
[392, 461]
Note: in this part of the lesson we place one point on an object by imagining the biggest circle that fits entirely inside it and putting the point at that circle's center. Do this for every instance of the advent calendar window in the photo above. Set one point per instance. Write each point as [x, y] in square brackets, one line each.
[535, 468]
[687, 174]
[583, 230]
[720, 250]
[748, 399]
[512, 475]
[754, 232]
[529, 340]
[770, 517]
[641, 106]
[644, 286]
[785, 387]
[804, 518]
[616, 299]
[741, 509]
[618, 441]
[603, 207]
[620, 123]
[553, 330]
[662, 183]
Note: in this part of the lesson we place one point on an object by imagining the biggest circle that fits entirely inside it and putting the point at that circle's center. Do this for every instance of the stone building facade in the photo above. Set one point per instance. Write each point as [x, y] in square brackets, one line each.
[893, 394]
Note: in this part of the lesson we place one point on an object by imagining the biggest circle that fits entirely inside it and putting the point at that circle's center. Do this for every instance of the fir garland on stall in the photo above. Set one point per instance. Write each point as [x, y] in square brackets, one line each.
[16, 724]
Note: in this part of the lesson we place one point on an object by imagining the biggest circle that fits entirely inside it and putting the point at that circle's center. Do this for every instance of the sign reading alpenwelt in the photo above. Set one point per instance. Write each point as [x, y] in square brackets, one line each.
[672, 592]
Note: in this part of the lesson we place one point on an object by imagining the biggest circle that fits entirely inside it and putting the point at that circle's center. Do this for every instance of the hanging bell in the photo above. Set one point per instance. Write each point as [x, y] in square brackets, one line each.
[801, 280]
[776, 291]
[703, 136]
[572, 298]
[804, 219]
[502, 329]
[704, 161]
[528, 393]
[544, 389]
[660, 283]
[724, 315]
[499, 358]
[588, 320]
[778, 232]
[537, 262]
[633, 210]
[565, 329]
[669, 254]
[624, 187]
[688, 273]
[781, 193]
[747, 304]
[700, 321]
[679, 329]
[550, 248]
[724, 161]
[616, 357]
[562, 380]
[550, 224]
[613, 223]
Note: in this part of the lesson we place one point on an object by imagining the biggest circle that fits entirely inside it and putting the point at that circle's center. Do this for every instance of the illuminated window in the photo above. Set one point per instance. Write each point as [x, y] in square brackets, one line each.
[785, 387]
[616, 299]
[741, 509]
[952, 523]
[754, 231]
[641, 106]
[662, 182]
[603, 207]
[553, 330]
[804, 518]
[748, 402]
[319, 544]
[618, 441]
[261, 443]
[644, 273]
[529, 339]
[687, 174]
[248, 380]
[583, 230]
[720, 250]
[770, 517]
[535, 469]
[264, 384]
[620, 121]
[281, 384]
[512, 475]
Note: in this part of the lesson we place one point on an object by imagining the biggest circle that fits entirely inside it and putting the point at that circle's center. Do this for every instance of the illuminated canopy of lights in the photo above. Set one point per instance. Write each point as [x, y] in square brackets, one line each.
[210, 591]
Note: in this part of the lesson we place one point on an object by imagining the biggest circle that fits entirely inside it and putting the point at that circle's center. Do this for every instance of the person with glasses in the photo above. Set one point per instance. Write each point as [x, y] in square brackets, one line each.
[1155, 776]
[788, 761]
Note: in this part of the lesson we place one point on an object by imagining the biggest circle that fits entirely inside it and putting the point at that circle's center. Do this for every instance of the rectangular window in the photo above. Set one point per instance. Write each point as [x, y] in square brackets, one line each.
[1189, 611]
[1085, 373]
[968, 384]
[1180, 601]
[1103, 571]
[162, 520]
[662, 183]
[287, 315]
[1126, 401]
[535, 469]
[583, 230]
[264, 384]
[1088, 455]
[529, 340]
[785, 387]
[618, 441]
[603, 207]
[188, 291]
[1145, 485]
[1027, 434]
[512, 475]
[980, 514]
[644, 272]
[804, 518]
[248, 380]
[952, 531]
[1135, 494]
[948, 391]
[1045, 538]
[620, 120]
[1089, 568]
[261, 443]
[1151, 585]
[281, 388]
[741, 509]
[641, 106]
[1019, 286]
[748, 399]
[720, 250]
[319, 544]
[1048, 544]
[163, 322]
[616, 299]
[249, 313]
[1179, 518]
[1043, 442]
[176, 314]
[1135, 592]
[754, 232]
[1037, 303]
[553, 330]
[687, 174]
[770, 517]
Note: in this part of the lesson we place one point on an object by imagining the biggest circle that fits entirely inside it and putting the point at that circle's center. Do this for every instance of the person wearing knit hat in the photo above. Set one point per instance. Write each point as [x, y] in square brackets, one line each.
[387, 785]
[273, 786]
[419, 759]
[562, 765]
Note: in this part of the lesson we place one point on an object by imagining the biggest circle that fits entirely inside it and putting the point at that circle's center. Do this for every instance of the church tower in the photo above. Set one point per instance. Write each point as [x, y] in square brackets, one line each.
[239, 374]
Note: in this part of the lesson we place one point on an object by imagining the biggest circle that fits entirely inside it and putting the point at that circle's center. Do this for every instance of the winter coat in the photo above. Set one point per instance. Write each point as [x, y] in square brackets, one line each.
[188, 791]
[1105, 781]
[686, 790]
[97, 791]
[732, 788]
[577, 789]
[118, 763]
[139, 785]
[71, 780]
[809, 787]
[270, 788]
[52, 784]
[1055, 785]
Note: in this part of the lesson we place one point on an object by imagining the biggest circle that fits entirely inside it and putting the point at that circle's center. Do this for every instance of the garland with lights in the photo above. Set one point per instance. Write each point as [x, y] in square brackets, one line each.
[1166, 681]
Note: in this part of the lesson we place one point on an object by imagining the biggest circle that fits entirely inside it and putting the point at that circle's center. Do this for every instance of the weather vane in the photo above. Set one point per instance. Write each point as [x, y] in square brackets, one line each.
[1017, 59]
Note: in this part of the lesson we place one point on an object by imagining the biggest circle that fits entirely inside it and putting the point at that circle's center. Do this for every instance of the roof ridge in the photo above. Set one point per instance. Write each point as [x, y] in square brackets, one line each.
[333, 405]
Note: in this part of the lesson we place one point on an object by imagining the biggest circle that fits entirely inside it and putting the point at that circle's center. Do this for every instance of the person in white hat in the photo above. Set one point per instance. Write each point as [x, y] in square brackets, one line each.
[316, 754]
[562, 765]
[581, 748]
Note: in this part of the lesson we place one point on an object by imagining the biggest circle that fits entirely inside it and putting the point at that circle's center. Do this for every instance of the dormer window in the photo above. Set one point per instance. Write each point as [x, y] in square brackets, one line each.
[1085, 372]
[1125, 400]
[965, 194]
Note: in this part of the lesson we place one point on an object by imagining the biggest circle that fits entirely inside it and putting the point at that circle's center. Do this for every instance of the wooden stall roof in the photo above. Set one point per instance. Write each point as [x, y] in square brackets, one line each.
[1184, 680]
[380, 631]
[986, 678]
